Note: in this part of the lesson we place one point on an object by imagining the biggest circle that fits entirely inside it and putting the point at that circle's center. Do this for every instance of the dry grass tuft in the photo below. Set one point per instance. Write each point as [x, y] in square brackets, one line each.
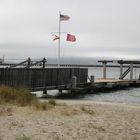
[87, 110]
[23, 137]
[20, 96]
[52, 102]
[25, 97]
[5, 111]
[67, 111]
[7, 94]
[42, 105]
[94, 126]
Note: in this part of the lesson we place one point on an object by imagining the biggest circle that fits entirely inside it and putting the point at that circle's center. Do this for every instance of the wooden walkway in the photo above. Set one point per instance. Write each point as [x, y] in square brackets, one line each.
[67, 77]
[115, 81]
[106, 85]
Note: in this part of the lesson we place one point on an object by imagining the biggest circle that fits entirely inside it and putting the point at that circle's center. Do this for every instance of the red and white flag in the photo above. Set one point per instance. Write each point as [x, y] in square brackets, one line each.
[55, 37]
[71, 38]
[64, 17]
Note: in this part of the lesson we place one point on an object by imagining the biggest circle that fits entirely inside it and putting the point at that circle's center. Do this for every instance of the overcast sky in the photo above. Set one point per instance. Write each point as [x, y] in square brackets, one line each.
[103, 28]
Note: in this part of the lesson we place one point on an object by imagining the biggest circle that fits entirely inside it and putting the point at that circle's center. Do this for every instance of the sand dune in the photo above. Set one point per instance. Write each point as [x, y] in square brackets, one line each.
[71, 120]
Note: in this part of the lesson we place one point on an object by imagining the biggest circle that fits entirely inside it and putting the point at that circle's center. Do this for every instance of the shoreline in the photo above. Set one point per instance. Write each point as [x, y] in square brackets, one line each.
[90, 102]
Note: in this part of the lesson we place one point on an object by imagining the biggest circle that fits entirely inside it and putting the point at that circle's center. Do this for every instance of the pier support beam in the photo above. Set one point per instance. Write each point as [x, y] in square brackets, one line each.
[60, 90]
[139, 77]
[131, 71]
[121, 70]
[104, 62]
[92, 79]
[45, 91]
[74, 82]
[104, 70]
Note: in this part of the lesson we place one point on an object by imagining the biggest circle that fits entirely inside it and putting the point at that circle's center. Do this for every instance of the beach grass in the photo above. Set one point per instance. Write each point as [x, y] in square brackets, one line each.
[37, 105]
[87, 110]
[22, 97]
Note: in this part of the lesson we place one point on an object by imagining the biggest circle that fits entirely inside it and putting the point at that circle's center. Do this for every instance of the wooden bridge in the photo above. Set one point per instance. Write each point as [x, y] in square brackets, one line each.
[26, 74]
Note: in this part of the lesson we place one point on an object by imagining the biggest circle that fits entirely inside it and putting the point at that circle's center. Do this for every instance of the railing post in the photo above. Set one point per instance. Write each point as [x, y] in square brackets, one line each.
[131, 71]
[44, 61]
[74, 82]
[92, 79]
[139, 77]
[121, 70]
[29, 62]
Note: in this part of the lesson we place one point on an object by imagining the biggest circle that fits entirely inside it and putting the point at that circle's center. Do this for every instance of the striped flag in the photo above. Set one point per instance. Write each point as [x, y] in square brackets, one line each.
[71, 38]
[64, 17]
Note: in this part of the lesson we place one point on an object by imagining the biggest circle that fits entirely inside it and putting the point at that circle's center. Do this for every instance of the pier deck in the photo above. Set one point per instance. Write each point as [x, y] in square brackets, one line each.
[107, 85]
[116, 81]
[74, 78]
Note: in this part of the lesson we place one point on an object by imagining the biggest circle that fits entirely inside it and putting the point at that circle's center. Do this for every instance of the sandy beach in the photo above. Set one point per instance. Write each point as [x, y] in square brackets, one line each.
[71, 120]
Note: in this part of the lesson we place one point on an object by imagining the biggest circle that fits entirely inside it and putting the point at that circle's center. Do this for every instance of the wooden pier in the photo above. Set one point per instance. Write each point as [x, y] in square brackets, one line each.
[65, 78]
[41, 78]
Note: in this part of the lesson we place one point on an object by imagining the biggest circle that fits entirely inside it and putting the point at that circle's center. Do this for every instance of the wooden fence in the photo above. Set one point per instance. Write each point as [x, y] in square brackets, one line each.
[41, 77]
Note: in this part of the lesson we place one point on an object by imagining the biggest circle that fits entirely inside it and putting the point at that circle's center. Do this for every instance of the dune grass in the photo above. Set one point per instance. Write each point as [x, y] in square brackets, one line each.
[22, 97]
[43, 105]
[87, 110]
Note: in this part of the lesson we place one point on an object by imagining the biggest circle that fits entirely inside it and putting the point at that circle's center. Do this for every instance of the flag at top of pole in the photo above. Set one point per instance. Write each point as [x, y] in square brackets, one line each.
[64, 17]
[61, 18]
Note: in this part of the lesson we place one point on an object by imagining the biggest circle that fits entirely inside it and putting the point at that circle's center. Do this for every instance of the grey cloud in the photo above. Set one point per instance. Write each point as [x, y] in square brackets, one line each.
[101, 27]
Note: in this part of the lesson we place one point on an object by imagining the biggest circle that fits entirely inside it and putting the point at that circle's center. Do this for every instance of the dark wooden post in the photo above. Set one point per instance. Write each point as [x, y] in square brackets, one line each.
[121, 70]
[139, 77]
[29, 62]
[44, 61]
[92, 80]
[45, 91]
[131, 71]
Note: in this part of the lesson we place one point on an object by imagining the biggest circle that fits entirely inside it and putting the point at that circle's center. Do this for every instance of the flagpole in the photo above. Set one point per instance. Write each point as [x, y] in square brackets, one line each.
[58, 63]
